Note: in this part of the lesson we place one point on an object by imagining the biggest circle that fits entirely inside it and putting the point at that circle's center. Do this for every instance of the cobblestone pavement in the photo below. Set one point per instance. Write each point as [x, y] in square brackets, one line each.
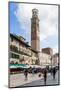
[18, 80]
[50, 81]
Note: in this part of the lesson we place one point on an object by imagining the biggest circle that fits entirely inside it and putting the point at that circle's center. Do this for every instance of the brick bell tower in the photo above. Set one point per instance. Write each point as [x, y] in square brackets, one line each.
[35, 33]
[35, 37]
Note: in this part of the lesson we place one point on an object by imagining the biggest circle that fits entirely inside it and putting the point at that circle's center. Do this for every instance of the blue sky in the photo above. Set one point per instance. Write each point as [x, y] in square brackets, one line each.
[20, 23]
[15, 26]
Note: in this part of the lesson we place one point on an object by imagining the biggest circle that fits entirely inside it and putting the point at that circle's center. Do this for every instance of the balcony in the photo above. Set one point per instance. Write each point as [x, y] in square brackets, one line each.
[14, 48]
[21, 51]
[25, 51]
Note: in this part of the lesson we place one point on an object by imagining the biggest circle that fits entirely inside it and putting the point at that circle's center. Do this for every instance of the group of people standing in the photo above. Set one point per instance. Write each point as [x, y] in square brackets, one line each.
[45, 72]
[53, 73]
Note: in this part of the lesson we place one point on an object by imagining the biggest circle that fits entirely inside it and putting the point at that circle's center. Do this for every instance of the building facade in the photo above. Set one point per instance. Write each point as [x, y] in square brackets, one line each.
[55, 59]
[45, 59]
[47, 50]
[21, 52]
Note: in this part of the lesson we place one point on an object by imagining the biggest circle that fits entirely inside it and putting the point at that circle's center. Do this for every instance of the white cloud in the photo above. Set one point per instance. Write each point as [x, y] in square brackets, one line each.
[42, 37]
[55, 49]
[48, 15]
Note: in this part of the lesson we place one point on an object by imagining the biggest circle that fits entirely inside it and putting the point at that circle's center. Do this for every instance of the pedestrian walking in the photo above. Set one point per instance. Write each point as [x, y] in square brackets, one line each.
[26, 74]
[30, 69]
[33, 71]
[54, 72]
[45, 76]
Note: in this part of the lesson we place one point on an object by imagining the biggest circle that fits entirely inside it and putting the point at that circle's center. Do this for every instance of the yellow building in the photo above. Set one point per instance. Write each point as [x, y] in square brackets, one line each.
[20, 51]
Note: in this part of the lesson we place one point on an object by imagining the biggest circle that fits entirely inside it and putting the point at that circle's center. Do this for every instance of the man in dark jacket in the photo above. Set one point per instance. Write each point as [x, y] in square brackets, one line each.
[45, 76]
[26, 73]
[54, 72]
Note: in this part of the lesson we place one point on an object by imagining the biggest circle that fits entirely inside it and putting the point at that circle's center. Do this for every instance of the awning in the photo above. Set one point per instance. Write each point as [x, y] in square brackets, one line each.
[19, 66]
